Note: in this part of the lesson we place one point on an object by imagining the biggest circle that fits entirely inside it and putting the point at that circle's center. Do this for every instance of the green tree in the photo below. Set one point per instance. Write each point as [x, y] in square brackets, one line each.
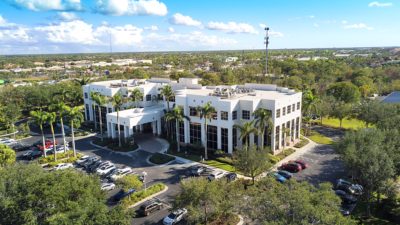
[100, 100]
[136, 96]
[263, 121]
[206, 113]
[11, 114]
[178, 116]
[344, 92]
[370, 111]
[51, 119]
[167, 92]
[129, 181]
[341, 110]
[309, 106]
[39, 117]
[7, 156]
[245, 130]
[250, 161]
[93, 95]
[75, 117]
[118, 101]
[60, 109]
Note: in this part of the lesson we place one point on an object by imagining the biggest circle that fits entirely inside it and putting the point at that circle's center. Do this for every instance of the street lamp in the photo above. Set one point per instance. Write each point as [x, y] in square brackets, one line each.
[144, 174]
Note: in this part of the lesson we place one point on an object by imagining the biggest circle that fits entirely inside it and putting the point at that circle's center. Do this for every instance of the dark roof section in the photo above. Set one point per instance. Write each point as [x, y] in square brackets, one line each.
[393, 97]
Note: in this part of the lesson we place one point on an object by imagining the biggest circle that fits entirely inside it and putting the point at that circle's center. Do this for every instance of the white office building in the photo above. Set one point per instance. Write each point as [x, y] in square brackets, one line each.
[234, 105]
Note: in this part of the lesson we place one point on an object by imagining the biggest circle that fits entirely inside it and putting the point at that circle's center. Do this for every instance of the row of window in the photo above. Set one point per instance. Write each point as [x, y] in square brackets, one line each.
[288, 109]
[223, 116]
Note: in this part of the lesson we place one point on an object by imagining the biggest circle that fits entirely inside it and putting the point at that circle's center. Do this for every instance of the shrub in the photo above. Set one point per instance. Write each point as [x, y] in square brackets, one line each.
[227, 160]
[303, 142]
[142, 194]
[67, 157]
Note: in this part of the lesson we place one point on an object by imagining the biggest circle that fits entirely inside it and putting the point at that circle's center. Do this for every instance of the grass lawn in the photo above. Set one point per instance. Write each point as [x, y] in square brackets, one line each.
[220, 165]
[159, 158]
[352, 124]
[320, 139]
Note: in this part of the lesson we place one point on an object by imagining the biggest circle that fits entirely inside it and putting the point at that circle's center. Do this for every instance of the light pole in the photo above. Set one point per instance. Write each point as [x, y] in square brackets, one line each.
[144, 174]
[266, 42]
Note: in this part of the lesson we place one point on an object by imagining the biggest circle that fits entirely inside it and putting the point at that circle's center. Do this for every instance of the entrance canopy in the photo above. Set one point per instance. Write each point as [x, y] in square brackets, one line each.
[137, 116]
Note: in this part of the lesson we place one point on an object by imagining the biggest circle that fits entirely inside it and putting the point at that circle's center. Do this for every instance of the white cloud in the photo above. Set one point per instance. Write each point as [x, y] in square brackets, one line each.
[344, 22]
[277, 34]
[152, 28]
[15, 34]
[232, 27]
[358, 26]
[380, 4]
[171, 30]
[131, 7]
[47, 5]
[262, 25]
[126, 35]
[179, 19]
[67, 16]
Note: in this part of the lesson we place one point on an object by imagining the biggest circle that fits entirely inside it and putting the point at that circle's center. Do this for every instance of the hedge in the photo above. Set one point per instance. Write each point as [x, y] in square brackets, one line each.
[142, 194]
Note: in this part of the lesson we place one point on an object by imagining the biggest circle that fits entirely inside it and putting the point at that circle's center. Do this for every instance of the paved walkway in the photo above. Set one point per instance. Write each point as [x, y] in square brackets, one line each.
[151, 143]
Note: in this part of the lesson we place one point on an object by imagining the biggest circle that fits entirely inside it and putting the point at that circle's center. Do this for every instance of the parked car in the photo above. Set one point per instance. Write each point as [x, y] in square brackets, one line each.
[175, 217]
[278, 177]
[291, 167]
[346, 209]
[63, 166]
[196, 170]
[287, 175]
[90, 162]
[215, 175]
[122, 194]
[103, 170]
[48, 144]
[31, 154]
[107, 186]
[149, 207]
[59, 149]
[231, 177]
[350, 188]
[302, 163]
[119, 173]
[20, 147]
[82, 159]
[346, 198]
[9, 142]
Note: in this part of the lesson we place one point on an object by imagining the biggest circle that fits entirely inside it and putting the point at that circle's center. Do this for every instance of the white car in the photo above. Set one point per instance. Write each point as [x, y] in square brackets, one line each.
[107, 186]
[82, 159]
[102, 170]
[63, 166]
[8, 141]
[119, 173]
[175, 217]
[215, 175]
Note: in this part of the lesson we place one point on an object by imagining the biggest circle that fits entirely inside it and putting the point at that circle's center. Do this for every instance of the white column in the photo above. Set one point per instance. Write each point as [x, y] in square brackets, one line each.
[108, 129]
[154, 127]
[230, 141]
[219, 138]
[130, 131]
[113, 132]
[203, 134]
[141, 128]
[126, 131]
[251, 139]
[187, 131]
[238, 140]
[159, 126]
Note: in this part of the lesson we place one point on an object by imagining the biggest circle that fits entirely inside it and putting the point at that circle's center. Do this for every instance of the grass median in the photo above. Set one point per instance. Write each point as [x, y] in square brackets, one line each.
[142, 194]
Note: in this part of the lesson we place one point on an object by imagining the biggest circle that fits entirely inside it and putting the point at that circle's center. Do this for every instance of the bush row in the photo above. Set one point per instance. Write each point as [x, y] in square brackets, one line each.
[142, 194]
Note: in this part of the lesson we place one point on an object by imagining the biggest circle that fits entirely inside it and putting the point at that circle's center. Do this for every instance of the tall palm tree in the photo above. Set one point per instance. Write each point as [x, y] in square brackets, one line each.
[75, 117]
[263, 120]
[245, 130]
[206, 113]
[136, 96]
[118, 101]
[309, 105]
[177, 115]
[60, 109]
[93, 95]
[39, 117]
[51, 119]
[168, 93]
[100, 101]
[83, 81]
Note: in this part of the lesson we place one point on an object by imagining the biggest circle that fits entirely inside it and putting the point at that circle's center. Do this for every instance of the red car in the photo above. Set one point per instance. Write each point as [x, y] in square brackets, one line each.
[48, 144]
[291, 167]
[303, 164]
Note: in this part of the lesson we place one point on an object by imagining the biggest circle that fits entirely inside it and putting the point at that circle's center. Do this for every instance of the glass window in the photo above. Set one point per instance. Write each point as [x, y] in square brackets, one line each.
[283, 135]
[86, 95]
[224, 139]
[224, 115]
[87, 111]
[289, 109]
[284, 111]
[181, 131]
[245, 114]
[278, 113]
[148, 98]
[234, 137]
[195, 133]
[297, 127]
[277, 129]
[193, 111]
[214, 115]
[212, 137]
[234, 115]
[298, 105]
[293, 108]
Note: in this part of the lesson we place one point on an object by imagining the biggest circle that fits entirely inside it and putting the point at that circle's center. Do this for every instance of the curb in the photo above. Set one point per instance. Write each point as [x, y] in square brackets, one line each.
[110, 150]
[160, 165]
[150, 197]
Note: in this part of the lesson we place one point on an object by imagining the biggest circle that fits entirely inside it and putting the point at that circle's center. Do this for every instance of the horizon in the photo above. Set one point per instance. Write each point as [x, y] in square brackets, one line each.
[31, 27]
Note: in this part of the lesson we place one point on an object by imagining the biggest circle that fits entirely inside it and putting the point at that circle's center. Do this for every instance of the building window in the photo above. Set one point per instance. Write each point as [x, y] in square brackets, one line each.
[283, 111]
[160, 97]
[181, 131]
[245, 114]
[293, 108]
[87, 112]
[148, 98]
[224, 139]
[292, 131]
[234, 137]
[297, 127]
[172, 99]
[278, 113]
[298, 105]
[267, 135]
[224, 115]
[288, 109]
[214, 115]
[86, 95]
[283, 135]
[192, 111]
[234, 115]
[212, 137]
[109, 110]
[277, 129]
[195, 133]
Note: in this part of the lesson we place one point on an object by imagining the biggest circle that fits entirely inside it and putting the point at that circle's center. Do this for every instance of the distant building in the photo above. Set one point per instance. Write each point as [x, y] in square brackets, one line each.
[392, 98]
[231, 59]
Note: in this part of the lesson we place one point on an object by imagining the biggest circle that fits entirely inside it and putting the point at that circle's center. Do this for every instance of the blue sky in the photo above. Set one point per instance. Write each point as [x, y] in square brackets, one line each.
[81, 26]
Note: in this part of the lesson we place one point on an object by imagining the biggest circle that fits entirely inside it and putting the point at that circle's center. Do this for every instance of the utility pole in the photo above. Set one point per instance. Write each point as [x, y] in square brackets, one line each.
[266, 42]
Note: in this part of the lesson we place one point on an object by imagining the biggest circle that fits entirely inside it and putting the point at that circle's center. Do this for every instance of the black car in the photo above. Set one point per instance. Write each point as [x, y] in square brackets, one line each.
[346, 208]
[350, 188]
[196, 170]
[30, 155]
[149, 207]
[92, 168]
[231, 177]
[346, 198]
[122, 194]
[20, 147]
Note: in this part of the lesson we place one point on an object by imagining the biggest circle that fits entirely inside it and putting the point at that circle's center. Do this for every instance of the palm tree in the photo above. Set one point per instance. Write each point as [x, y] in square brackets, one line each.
[100, 101]
[51, 119]
[39, 117]
[75, 118]
[177, 115]
[118, 101]
[206, 113]
[245, 130]
[93, 95]
[136, 96]
[309, 105]
[60, 109]
[263, 120]
[168, 93]
[83, 81]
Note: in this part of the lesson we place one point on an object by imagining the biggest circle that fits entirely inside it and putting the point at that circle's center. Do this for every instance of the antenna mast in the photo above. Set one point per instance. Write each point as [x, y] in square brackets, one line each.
[266, 42]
